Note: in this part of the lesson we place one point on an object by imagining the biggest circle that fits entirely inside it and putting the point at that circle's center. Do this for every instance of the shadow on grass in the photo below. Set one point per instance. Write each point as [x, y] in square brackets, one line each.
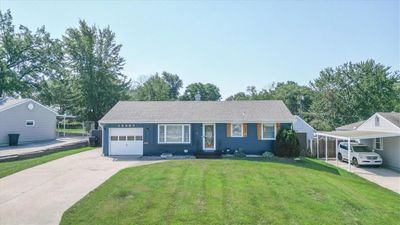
[303, 163]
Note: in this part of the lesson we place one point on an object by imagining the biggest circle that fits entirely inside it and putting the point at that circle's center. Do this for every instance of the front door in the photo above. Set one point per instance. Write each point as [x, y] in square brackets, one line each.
[209, 136]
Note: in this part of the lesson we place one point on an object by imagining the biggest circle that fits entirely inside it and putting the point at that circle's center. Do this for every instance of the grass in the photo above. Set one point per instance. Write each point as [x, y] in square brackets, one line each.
[236, 192]
[8, 168]
[71, 131]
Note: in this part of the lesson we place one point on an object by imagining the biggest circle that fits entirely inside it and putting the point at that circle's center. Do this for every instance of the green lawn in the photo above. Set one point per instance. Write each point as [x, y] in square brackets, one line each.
[236, 192]
[7, 168]
[71, 131]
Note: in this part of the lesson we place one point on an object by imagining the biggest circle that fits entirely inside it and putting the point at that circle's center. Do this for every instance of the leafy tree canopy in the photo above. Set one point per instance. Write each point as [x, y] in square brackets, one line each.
[353, 92]
[93, 58]
[26, 57]
[208, 92]
[158, 88]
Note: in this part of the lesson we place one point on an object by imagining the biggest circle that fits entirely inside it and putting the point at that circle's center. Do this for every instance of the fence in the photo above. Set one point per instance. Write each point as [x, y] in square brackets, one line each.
[331, 144]
[74, 128]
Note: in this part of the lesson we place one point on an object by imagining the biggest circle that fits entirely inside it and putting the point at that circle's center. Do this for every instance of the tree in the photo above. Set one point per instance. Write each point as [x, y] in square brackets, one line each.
[26, 57]
[58, 92]
[208, 92]
[174, 82]
[155, 88]
[238, 97]
[92, 56]
[353, 92]
[297, 98]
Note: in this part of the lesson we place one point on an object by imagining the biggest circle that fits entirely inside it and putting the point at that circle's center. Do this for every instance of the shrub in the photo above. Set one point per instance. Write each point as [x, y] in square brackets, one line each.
[239, 153]
[287, 144]
[268, 155]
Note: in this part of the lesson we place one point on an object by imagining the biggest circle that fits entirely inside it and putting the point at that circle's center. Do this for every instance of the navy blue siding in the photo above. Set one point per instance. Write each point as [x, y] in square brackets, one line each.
[249, 144]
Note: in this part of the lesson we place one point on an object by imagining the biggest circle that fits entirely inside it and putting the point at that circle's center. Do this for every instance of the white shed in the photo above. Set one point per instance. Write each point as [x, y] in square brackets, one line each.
[28, 118]
[301, 126]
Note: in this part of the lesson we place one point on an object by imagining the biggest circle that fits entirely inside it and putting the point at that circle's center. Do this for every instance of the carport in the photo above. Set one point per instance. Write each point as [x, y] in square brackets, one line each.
[348, 136]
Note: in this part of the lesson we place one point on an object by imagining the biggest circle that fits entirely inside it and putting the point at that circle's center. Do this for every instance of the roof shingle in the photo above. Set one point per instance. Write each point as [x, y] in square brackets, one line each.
[198, 112]
[393, 117]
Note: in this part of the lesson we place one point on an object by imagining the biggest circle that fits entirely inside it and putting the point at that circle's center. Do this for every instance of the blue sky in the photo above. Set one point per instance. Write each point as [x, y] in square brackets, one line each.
[232, 44]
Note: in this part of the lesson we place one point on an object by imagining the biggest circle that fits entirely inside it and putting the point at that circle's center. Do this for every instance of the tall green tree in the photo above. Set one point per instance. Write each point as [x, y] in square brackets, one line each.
[298, 98]
[174, 82]
[93, 57]
[353, 92]
[26, 57]
[208, 92]
[155, 88]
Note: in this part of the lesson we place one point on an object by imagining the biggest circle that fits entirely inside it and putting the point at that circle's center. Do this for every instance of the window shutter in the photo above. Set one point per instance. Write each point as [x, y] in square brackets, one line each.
[245, 130]
[228, 130]
[259, 131]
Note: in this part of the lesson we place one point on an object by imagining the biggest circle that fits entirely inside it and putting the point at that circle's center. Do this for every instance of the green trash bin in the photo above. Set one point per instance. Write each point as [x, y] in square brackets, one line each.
[13, 139]
[92, 141]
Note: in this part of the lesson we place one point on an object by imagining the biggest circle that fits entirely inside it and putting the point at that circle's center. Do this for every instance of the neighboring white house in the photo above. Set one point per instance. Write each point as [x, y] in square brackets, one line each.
[32, 120]
[385, 128]
[301, 126]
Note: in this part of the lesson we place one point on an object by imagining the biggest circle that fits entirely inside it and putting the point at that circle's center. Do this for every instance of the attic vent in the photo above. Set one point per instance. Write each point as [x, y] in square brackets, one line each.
[377, 122]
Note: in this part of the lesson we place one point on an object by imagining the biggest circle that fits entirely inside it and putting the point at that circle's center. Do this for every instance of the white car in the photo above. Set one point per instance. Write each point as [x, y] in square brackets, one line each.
[360, 154]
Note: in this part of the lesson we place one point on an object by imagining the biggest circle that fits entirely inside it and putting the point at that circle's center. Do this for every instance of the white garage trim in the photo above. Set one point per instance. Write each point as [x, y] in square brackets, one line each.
[125, 141]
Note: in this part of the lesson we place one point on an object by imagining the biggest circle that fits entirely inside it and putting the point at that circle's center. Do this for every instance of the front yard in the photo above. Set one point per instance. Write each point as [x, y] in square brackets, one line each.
[236, 192]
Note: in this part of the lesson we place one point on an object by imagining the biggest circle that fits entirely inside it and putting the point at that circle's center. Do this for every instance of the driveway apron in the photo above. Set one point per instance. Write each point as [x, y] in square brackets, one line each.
[41, 194]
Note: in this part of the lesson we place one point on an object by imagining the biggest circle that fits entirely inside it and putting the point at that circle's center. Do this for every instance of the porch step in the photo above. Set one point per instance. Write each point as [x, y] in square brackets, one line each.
[208, 155]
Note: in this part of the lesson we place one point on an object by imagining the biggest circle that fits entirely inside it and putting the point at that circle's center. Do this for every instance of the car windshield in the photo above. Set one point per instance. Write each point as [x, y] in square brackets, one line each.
[361, 148]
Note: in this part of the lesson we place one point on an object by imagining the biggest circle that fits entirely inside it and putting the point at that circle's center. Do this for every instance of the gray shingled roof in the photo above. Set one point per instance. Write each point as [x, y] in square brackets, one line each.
[10, 102]
[393, 117]
[351, 126]
[198, 112]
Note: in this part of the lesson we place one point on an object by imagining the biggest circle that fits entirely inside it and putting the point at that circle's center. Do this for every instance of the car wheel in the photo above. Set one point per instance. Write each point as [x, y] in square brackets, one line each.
[355, 162]
[340, 157]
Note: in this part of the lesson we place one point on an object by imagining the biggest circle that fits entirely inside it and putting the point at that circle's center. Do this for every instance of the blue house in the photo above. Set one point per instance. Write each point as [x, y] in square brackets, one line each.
[185, 127]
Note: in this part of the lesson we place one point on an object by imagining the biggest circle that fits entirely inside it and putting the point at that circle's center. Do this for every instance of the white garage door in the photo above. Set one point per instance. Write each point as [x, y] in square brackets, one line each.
[126, 141]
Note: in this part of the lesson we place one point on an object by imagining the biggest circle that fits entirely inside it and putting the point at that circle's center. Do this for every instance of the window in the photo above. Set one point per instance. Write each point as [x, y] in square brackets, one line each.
[139, 138]
[343, 146]
[174, 133]
[30, 123]
[114, 138]
[122, 138]
[237, 130]
[268, 131]
[378, 143]
[131, 138]
[377, 122]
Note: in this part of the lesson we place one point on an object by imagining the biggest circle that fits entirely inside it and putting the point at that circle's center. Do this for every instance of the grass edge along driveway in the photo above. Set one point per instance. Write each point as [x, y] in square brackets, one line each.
[236, 192]
[11, 167]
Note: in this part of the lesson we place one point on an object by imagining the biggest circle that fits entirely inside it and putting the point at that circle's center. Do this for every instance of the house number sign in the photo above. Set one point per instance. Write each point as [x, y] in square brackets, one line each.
[126, 125]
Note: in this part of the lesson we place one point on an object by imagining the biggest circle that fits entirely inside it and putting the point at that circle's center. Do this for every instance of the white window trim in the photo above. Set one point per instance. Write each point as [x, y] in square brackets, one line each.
[165, 133]
[33, 121]
[262, 131]
[381, 142]
[241, 134]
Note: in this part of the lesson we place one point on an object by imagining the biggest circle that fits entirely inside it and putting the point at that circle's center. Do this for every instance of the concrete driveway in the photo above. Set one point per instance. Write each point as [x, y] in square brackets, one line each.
[386, 178]
[41, 194]
[38, 146]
